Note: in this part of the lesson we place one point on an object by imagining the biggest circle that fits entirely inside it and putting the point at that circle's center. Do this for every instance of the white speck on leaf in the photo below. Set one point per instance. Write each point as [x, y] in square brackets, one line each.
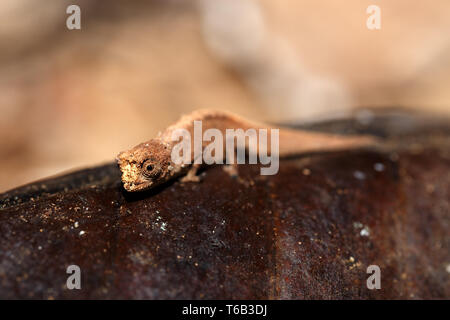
[359, 175]
[365, 232]
[357, 225]
[379, 167]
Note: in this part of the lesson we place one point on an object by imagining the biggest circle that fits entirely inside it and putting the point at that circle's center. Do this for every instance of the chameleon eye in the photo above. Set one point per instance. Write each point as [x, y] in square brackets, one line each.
[150, 169]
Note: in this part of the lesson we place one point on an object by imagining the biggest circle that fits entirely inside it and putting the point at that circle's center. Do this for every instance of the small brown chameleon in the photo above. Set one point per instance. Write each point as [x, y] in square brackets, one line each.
[149, 164]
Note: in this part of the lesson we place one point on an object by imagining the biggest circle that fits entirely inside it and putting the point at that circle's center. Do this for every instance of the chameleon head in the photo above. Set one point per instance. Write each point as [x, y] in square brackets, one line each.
[144, 166]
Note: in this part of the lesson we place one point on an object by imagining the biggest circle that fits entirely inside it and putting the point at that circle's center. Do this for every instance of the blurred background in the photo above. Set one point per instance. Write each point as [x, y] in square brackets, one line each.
[75, 98]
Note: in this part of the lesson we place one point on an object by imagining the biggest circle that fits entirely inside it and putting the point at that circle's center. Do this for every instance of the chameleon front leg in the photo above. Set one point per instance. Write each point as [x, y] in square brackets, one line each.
[191, 175]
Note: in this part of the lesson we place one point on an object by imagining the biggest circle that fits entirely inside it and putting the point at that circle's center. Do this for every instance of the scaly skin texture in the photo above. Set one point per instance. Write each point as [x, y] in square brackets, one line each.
[149, 164]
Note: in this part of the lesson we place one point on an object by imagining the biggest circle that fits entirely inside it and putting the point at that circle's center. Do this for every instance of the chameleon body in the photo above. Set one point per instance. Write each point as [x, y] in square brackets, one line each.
[149, 164]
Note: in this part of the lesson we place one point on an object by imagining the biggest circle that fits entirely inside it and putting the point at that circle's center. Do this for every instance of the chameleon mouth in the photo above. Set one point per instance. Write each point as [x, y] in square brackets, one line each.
[132, 186]
[132, 181]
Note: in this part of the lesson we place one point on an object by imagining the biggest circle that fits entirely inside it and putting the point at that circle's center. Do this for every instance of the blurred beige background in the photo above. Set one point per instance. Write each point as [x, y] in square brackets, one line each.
[70, 99]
